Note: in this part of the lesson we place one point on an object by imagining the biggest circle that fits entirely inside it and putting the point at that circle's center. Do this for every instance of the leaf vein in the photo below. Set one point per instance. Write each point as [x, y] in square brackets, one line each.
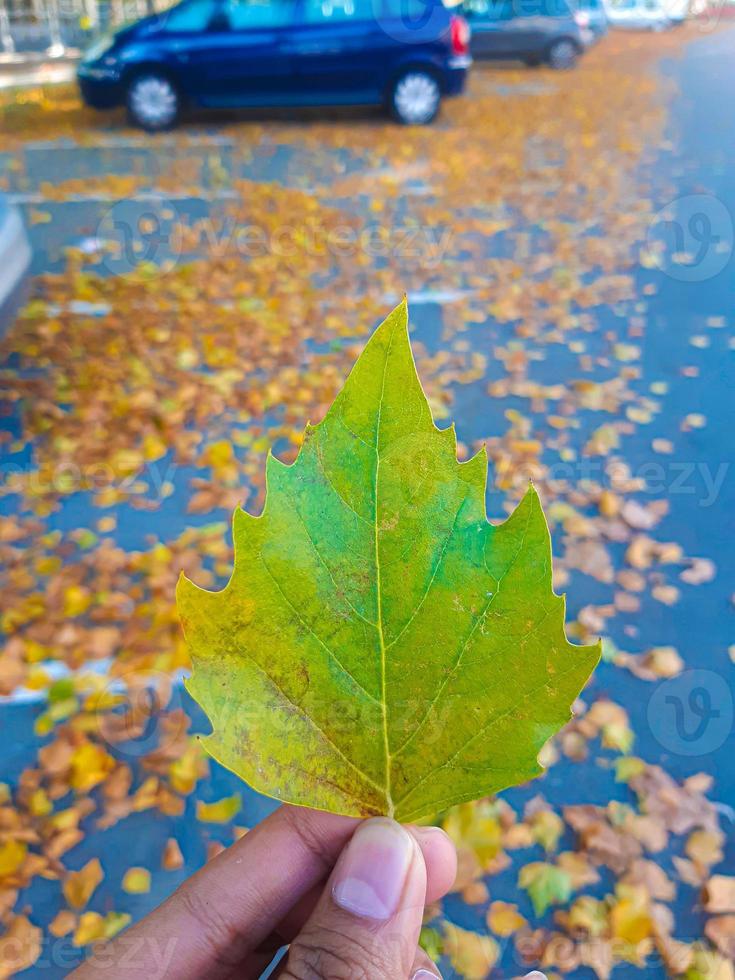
[486, 728]
[318, 728]
[478, 620]
[316, 636]
[327, 568]
[433, 574]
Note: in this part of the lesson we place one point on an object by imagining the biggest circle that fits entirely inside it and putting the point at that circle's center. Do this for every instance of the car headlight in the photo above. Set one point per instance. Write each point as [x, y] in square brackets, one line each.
[99, 48]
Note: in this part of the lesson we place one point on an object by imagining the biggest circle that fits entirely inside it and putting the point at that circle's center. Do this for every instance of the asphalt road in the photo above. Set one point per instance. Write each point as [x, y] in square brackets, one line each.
[699, 485]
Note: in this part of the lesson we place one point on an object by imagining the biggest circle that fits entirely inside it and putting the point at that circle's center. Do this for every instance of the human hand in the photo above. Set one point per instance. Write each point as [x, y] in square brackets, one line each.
[348, 896]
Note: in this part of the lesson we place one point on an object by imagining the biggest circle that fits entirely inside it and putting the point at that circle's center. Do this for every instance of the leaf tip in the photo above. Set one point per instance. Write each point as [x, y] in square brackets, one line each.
[184, 587]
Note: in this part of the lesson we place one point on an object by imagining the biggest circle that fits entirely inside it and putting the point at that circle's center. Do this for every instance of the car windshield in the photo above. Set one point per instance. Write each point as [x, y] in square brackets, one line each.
[509, 9]
[244, 14]
[541, 8]
[194, 15]
[316, 11]
[488, 9]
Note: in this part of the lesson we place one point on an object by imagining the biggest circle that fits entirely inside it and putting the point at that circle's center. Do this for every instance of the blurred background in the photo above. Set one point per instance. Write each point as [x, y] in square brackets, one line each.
[204, 211]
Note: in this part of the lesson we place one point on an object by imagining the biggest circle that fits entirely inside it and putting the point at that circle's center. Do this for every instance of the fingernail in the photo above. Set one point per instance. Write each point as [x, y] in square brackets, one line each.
[425, 975]
[429, 832]
[535, 975]
[372, 871]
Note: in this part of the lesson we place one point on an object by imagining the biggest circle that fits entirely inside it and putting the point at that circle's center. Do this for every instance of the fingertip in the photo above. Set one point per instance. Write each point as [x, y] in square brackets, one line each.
[423, 967]
[440, 858]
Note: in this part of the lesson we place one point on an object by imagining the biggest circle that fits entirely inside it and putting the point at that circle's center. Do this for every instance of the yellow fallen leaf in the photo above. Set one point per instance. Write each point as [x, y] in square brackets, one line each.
[154, 447]
[220, 812]
[39, 804]
[136, 881]
[630, 917]
[12, 856]
[90, 765]
[475, 825]
[91, 928]
[187, 769]
[79, 885]
[471, 954]
[76, 600]
[504, 918]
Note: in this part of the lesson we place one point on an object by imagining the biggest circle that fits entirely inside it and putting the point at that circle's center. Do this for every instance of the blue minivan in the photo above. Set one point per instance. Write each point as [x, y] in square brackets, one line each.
[403, 54]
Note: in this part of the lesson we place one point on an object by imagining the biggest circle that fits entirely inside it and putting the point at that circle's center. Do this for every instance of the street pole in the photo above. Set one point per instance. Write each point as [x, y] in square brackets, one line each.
[6, 38]
[56, 48]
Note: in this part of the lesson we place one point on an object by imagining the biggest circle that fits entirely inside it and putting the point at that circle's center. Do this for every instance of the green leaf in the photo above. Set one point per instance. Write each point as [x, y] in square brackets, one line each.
[381, 648]
[430, 940]
[546, 885]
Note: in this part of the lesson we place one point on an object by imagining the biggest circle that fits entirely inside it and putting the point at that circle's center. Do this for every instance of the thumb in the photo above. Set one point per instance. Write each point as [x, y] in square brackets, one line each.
[366, 924]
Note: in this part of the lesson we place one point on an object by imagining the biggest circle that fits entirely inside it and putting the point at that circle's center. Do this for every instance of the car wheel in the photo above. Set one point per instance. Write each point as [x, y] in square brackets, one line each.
[563, 54]
[415, 98]
[153, 102]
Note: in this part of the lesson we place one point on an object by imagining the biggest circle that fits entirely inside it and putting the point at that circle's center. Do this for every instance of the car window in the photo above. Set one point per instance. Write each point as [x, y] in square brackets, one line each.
[243, 14]
[540, 8]
[488, 9]
[412, 10]
[334, 11]
[194, 15]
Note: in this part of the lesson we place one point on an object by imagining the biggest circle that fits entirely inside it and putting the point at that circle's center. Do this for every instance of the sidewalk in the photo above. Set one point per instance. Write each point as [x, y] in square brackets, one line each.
[37, 68]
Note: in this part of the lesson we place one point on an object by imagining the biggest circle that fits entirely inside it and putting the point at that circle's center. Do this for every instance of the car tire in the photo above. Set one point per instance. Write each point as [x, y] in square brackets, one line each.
[153, 102]
[563, 54]
[415, 97]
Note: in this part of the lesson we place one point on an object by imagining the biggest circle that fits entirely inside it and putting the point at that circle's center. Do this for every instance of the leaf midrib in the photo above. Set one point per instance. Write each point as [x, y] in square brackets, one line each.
[378, 588]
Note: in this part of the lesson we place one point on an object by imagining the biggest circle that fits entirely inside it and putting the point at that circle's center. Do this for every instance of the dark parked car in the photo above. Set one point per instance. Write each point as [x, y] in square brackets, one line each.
[405, 54]
[533, 31]
[596, 16]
